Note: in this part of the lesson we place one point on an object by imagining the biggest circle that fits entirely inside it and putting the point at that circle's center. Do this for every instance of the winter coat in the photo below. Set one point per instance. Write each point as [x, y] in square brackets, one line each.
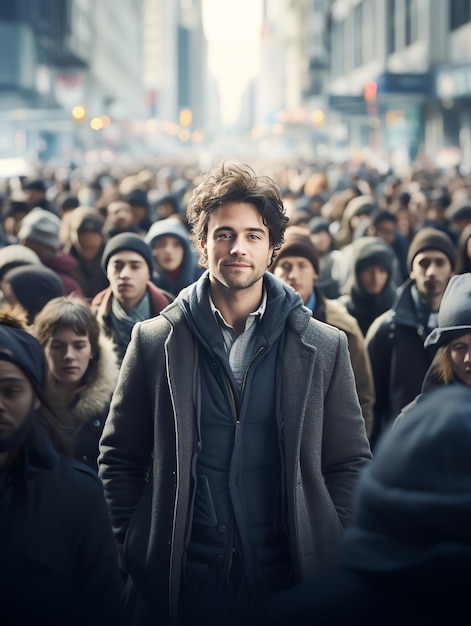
[395, 343]
[325, 446]
[407, 556]
[89, 273]
[366, 307]
[58, 555]
[188, 271]
[101, 304]
[333, 313]
[86, 416]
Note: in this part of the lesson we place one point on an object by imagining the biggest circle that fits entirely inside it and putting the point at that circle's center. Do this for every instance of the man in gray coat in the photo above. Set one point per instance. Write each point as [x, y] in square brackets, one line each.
[235, 437]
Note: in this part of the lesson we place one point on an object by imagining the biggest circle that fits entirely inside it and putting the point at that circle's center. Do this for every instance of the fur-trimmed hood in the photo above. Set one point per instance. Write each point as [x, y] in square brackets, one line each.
[96, 398]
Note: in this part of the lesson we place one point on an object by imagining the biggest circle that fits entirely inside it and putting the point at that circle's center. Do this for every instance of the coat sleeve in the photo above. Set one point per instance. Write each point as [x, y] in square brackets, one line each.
[96, 586]
[379, 348]
[127, 441]
[363, 376]
[345, 447]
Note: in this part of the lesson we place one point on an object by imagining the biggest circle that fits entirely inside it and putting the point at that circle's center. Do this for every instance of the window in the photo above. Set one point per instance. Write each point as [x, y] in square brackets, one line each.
[411, 25]
[358, 35]
[460, 13]
[391, 22]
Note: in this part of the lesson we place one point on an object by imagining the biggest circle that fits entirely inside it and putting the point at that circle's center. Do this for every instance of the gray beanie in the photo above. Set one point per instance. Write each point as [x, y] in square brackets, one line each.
[454, 315]
[127, 241]
[41, 226]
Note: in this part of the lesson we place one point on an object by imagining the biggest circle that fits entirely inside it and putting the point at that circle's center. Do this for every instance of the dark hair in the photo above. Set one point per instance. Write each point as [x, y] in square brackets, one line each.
[70, 312]
[237, 184]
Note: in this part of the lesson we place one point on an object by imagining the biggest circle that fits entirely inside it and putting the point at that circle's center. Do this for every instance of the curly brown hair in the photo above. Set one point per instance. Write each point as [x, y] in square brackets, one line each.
[236, 183]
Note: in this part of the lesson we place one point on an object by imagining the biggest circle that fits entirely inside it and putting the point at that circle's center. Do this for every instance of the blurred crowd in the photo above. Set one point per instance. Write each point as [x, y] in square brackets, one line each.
[85, 255]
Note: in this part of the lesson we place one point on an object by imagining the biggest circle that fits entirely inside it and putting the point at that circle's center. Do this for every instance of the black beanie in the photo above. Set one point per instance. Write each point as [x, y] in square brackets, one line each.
[454, 315]
[127, 241]
[298, 243]
[431, 239]
[34, 286]
[23, 350]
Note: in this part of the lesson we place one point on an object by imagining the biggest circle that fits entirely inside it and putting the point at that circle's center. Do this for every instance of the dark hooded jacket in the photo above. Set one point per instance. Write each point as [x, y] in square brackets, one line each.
[366, 307]
[151, 440]
[399, 360]
[407, 556]
[188, 271]
[59, 562]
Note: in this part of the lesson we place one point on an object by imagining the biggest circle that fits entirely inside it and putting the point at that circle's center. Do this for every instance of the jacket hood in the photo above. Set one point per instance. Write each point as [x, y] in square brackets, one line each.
[368, 251]
[412, 512]
[189, 271]
[281, 300]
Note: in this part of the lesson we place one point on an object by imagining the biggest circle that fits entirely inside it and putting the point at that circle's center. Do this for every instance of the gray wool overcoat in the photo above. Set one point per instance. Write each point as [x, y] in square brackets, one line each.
[148, 450]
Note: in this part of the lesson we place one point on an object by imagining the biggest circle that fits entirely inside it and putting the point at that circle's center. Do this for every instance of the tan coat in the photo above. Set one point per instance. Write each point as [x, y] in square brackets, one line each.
[337, 315]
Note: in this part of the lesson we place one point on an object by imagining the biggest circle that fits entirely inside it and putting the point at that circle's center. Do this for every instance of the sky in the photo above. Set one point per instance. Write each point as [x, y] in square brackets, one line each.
[233, 29]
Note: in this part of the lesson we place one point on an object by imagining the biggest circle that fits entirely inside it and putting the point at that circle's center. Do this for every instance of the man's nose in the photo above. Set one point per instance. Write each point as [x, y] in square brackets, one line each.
[238, 246]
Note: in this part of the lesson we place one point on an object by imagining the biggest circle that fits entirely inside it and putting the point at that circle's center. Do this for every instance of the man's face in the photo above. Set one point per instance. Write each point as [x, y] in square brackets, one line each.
[17, 401]
[373, 279]
[120, 214]
[237, 246]
[322, 241]
[431, 270]
[460, 354]
[297, 272]
[128, 274]
[168, 252]
[386, 230]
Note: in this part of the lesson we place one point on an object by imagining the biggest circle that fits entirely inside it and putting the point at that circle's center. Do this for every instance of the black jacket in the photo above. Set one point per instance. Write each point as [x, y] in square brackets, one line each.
[58, 556]
[399, 361]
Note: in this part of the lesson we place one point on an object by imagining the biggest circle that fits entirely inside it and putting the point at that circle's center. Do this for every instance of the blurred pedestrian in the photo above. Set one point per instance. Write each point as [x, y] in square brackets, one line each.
[31, 287]
[131, 296]
[119, 219]
[40, 231]
[406, 558]
[370, 289]
[85, 244]
[59, 558]
[175, 258]
[395, 340]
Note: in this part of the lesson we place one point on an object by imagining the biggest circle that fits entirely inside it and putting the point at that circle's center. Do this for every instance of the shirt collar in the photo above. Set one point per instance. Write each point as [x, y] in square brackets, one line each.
[259, 312]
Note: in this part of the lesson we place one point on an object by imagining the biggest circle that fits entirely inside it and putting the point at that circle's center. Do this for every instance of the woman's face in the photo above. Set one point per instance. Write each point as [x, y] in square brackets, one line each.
[68, 356]
[460, 354]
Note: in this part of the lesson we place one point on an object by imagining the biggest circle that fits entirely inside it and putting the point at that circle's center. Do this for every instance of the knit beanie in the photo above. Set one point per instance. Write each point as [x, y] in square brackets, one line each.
[431, 239]
[23, 350]
[297, 243]
[454, 315]
[34, 286]
[16, 255]
[127, 241]
[41, 226]
[371, 251]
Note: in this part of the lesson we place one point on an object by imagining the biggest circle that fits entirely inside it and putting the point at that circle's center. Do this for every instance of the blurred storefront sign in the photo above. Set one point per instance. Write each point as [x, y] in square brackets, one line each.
[453, 82]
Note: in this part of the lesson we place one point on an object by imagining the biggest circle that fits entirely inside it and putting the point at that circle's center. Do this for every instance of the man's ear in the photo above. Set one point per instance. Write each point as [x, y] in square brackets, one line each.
[37, 403]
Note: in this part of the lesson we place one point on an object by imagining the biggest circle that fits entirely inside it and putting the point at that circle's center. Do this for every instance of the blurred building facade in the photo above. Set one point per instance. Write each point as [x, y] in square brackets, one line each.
[384, 77]
[80, 73]
[56, 55]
